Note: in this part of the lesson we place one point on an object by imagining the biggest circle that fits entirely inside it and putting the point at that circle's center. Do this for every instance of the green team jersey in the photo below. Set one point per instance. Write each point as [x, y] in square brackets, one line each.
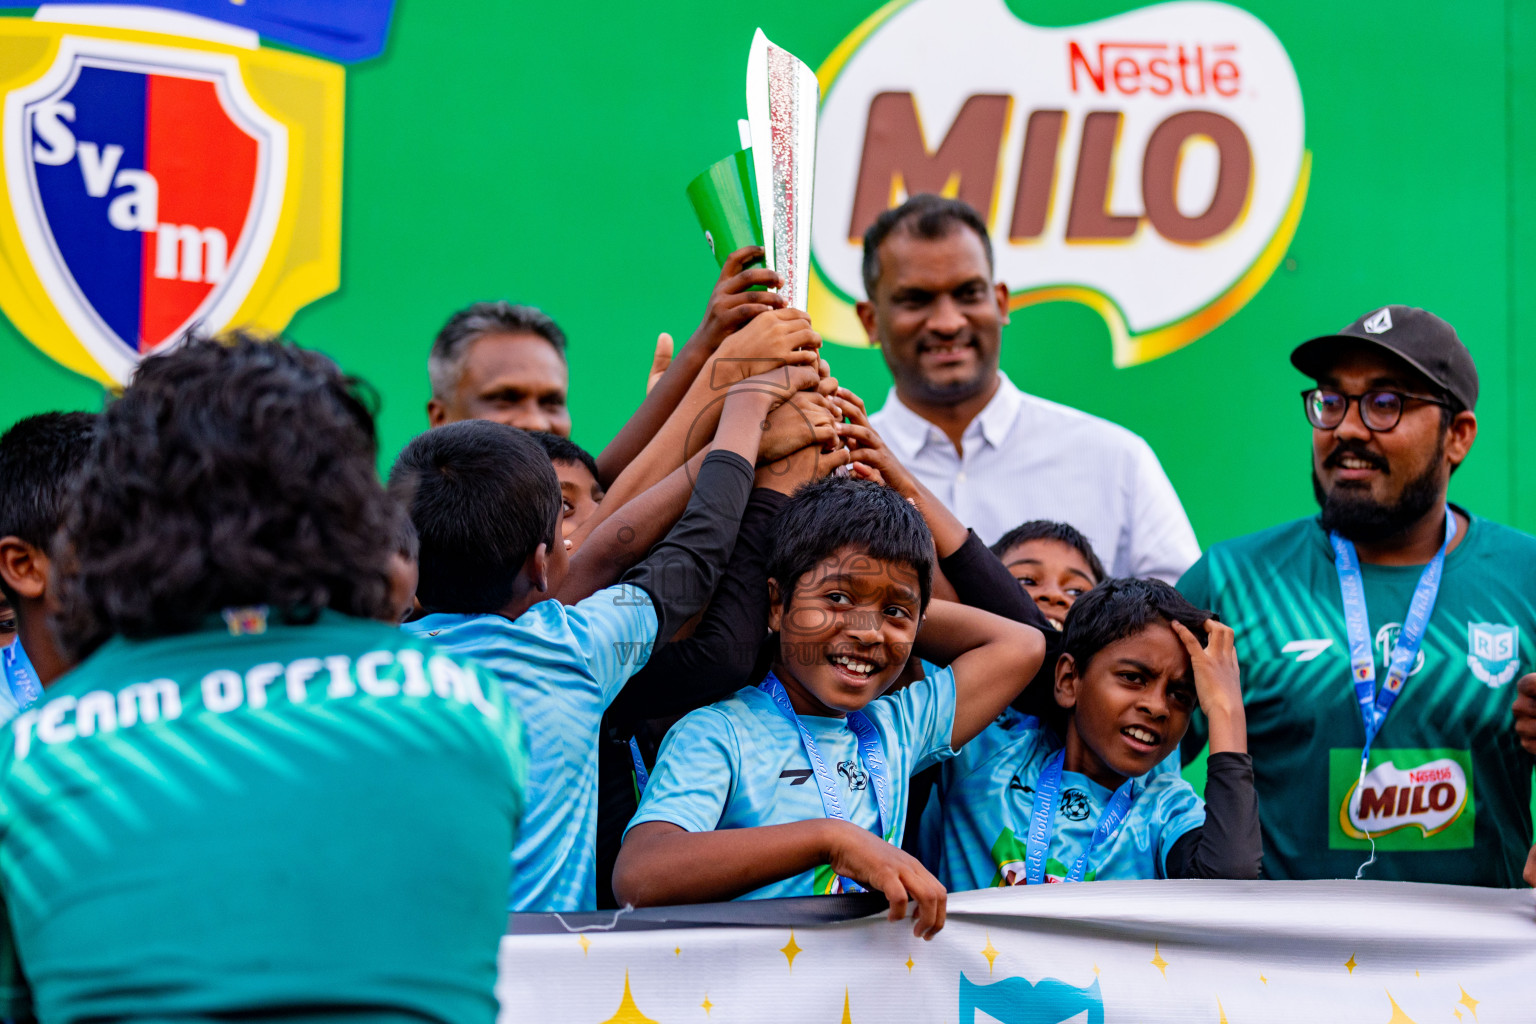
[1447, 792]
[253, 822]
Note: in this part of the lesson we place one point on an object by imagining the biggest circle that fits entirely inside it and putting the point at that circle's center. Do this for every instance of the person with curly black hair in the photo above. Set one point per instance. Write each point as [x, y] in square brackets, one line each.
[212, 815]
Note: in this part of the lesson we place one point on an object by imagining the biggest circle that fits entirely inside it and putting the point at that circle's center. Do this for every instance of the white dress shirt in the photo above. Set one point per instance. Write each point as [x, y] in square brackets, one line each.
[1027, 458]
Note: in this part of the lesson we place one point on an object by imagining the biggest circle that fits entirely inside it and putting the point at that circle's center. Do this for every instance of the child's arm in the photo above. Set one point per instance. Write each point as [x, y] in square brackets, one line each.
[681, 571]
[991, 657]
[721, 656]
[1228, 844]
[781, 338]
[726, 863]
[731, 305]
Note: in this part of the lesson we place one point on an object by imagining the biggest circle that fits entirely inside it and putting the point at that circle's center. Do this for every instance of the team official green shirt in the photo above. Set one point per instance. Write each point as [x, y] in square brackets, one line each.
[1447, 791]
[310, 823]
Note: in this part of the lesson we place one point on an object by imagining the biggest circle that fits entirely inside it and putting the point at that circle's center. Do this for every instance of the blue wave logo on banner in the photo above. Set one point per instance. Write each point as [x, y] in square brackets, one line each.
[1019, 1001]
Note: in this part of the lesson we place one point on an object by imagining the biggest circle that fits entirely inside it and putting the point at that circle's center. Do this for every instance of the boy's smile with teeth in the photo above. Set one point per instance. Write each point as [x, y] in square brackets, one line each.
[845, 632]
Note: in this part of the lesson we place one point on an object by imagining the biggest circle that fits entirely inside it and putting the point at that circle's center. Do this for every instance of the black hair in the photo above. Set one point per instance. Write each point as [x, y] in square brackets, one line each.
[480, 318]
[40, 457]
[1046, 529]
[839, 511]
[1118, 608]
[231, 472]
[925, 216]
[563, 449]
[483, 497]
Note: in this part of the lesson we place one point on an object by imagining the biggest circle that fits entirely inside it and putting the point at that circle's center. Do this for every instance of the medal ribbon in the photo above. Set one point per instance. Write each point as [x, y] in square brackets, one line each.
[19, 675]
[871, 752]
[1374, 705]
[1042, 822]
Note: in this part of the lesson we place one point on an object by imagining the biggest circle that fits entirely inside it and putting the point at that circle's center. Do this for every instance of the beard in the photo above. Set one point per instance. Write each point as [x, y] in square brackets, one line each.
[1356, 516]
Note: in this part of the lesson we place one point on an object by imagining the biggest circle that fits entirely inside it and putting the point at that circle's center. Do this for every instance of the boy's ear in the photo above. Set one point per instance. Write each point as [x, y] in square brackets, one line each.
[1066, 681]
[537, 568]
[775, 608]
[24, 568]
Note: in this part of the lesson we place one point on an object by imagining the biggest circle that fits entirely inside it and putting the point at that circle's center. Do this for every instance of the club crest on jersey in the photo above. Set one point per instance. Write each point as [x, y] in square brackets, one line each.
[156, 183]
[1493, 652]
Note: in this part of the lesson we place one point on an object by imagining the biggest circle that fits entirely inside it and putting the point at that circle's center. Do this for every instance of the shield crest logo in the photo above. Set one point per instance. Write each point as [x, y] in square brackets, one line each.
[156, 183]
[147, 195]
[1493, 652]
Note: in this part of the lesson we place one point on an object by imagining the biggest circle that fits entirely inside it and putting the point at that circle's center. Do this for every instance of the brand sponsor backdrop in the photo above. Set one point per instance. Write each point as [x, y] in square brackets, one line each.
[539, 153]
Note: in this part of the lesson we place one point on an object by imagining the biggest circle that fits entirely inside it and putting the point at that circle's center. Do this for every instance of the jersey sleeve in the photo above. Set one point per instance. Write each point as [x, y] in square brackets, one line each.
[694, 772]
[615, 629]
[923, 717]
[1178, 811]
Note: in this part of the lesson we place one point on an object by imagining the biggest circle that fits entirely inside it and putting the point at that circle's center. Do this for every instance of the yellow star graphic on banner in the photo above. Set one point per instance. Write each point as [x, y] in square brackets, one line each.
[1468, 1002]
[1158, 961]
[1221, 1012]
[1095, 970]
[1457, 1013]
[847, 1017]
[990, 952]
[1264, 979]
[677, 950]
[1350, 963]
[1398, 1016]
[586, 944]
[909, 965]
[628, 1012]
[790, 950]
[707, 1005]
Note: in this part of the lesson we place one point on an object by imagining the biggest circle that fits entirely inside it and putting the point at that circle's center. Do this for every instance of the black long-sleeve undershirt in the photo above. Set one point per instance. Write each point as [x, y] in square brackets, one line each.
[1228, 844]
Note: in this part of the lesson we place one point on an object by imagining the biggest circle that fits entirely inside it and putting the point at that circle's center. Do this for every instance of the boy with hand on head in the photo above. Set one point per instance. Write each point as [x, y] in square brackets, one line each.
[487, 506]
[799, 786]
[1024, 806]
[1053, 562]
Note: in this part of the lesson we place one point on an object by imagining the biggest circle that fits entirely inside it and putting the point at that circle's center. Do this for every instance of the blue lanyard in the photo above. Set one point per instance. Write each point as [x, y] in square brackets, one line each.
[871, 751]
[641, 775]
[1042, 822]
[1362, 660]
[20, 676]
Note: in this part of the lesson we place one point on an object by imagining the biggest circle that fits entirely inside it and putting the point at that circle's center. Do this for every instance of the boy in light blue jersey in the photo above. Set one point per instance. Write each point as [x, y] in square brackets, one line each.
[1024, 805]
[494, 578]
[799, 786]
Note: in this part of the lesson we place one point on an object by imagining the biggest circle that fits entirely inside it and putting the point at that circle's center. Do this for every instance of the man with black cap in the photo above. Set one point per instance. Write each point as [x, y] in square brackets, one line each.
[1381, 640]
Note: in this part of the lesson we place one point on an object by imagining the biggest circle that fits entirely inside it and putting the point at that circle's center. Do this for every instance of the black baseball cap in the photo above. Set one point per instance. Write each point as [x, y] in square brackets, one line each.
[1416, 336]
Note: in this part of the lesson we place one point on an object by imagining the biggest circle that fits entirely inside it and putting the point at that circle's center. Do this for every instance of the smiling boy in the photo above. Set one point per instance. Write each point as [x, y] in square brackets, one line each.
[799, 786]
[1022, 806]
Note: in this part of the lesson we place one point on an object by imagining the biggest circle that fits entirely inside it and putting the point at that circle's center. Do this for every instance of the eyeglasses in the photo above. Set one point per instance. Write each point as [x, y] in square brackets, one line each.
[1380, 411]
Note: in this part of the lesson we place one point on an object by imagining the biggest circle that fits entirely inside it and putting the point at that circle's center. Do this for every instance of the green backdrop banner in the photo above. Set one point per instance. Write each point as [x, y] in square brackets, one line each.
[540, 152]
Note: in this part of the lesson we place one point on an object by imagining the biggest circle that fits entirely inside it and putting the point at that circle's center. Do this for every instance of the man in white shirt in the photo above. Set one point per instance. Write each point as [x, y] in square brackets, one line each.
[993, 454]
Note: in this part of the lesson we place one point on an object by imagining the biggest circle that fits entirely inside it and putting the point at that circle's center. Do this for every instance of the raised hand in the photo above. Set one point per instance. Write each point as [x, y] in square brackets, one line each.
[880, 867]
[1218, 684]
[808, 419]
[776, 338]
[660, 361]
[732, 303]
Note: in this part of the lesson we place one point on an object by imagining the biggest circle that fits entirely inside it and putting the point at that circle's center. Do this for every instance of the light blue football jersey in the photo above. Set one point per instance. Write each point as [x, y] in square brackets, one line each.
[739, 763]
[987, 794]
[560, 667]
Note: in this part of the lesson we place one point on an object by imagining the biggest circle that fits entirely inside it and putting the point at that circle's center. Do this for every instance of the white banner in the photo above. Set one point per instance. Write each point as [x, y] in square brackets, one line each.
[1100, 953]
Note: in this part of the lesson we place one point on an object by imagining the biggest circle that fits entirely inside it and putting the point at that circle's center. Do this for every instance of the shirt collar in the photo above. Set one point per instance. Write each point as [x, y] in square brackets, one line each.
[907, 432]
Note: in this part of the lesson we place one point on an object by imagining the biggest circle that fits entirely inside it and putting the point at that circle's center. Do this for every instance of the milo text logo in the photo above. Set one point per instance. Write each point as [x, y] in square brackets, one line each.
[1151, 165]
[1421, 798]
